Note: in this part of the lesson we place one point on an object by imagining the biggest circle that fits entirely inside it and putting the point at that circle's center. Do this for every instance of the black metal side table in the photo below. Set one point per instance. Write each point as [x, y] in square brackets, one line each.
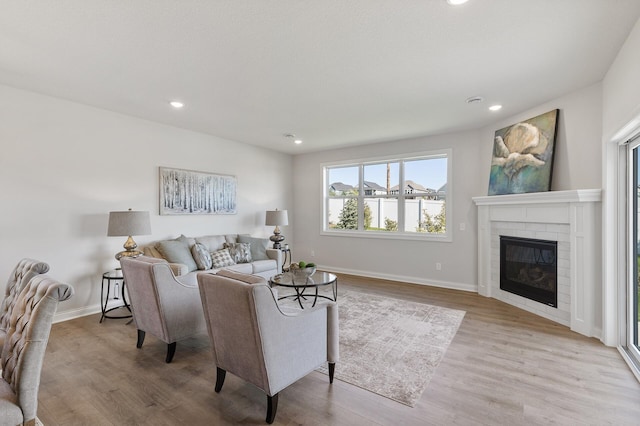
[286, 257]
[114, 276]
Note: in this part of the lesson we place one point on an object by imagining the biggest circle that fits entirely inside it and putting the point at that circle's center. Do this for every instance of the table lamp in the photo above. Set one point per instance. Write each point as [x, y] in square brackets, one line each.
[276, 218]
[126, 224]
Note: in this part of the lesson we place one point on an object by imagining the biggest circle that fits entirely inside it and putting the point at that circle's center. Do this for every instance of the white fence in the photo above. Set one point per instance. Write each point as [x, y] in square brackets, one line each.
[383, 208]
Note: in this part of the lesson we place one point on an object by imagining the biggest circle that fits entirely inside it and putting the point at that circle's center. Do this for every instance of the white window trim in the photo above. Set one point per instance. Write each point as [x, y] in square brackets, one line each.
[400, 235]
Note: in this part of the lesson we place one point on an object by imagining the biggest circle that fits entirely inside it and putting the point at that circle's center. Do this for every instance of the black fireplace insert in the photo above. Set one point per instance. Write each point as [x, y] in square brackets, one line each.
[529, 268]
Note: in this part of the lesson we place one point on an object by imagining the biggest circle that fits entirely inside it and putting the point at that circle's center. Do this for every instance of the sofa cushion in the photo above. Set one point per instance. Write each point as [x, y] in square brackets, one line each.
[177, 251]
[240, 252]
[263, 265]
[212, 242]
[221, 258]
[258, 246]
[202, 256]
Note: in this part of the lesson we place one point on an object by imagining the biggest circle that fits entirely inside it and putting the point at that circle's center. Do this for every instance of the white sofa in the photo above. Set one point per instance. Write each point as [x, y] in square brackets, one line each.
[265, 261]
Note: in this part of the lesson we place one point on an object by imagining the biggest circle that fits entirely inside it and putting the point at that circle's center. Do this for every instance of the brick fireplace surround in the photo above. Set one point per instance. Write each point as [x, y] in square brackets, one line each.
[573, 219]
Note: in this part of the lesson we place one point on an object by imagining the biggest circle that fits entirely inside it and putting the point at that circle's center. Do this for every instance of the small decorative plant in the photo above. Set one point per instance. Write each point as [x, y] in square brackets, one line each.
[303, 268]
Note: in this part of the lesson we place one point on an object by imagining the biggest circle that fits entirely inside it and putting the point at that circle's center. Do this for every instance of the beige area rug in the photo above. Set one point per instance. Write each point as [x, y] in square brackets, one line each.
[392, 347]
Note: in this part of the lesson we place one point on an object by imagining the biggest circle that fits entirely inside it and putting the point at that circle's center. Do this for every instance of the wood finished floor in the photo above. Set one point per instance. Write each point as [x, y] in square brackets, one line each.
[505, 366]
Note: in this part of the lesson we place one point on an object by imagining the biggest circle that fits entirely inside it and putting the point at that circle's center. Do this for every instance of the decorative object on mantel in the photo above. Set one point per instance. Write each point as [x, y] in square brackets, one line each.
[191, 192]
[522, 158]
[126, 224]
[276, 218]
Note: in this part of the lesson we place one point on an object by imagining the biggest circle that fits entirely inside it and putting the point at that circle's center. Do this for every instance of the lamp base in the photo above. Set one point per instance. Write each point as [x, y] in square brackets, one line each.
[129, 249]
[128, 253]
[277, 239]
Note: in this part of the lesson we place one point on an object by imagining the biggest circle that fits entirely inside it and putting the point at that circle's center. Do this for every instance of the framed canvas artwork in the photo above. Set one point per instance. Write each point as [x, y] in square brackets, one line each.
[522, 158]
[191, 192]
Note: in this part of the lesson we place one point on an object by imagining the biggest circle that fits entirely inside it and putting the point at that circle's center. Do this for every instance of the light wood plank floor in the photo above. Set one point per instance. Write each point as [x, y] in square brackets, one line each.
[505, 366]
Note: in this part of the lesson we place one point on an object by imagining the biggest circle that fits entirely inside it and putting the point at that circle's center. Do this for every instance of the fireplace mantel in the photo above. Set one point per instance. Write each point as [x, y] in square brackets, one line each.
[570, 217]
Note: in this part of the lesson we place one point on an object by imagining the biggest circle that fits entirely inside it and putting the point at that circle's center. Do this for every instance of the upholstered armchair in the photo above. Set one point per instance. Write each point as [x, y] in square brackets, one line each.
[161, 305]
[19, 278]
[254, 339]
[25, 346]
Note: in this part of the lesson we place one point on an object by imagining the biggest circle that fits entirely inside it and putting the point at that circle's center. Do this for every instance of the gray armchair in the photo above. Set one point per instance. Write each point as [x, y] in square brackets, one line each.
[25, 346]
[161, 305]
[19, 278]
[255, 340]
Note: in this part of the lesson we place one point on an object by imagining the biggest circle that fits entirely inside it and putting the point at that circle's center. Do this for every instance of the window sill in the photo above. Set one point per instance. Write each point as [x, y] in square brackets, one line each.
[442, 238]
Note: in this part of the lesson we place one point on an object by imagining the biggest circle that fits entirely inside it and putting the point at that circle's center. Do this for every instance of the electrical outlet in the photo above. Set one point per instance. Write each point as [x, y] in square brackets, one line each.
[313, 253]
[438, 266]
[463, 226]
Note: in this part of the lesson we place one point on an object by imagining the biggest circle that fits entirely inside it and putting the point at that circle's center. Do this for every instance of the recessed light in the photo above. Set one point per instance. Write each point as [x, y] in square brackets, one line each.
[176, 104]
[292, 137]
[474, 99]
[456, 2]
[495, 107]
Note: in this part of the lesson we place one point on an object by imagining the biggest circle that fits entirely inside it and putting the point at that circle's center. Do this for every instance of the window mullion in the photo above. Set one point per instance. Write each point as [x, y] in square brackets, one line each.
[401, 215]
[361, 197]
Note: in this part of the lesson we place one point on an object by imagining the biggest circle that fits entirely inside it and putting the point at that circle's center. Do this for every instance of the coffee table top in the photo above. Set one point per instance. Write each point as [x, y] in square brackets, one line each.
[318, 278]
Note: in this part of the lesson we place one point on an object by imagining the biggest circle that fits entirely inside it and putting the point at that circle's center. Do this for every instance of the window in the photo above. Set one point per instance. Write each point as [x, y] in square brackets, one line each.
[389, 197]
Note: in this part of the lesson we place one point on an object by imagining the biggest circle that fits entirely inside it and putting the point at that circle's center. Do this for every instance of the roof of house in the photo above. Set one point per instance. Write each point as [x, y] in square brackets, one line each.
[373, 185]
[339, 186]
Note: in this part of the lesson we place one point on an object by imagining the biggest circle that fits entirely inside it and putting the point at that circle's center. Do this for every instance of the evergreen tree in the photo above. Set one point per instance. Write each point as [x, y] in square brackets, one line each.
[348, 217]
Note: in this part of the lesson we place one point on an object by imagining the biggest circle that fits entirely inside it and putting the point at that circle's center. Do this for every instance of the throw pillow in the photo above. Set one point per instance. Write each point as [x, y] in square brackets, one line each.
[221, 258]
[177, 251]
[240, 252]
[258, 246]
[201, 256]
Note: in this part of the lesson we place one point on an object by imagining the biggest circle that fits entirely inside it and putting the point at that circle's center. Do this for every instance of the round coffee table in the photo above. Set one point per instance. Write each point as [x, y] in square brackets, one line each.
[300, 285]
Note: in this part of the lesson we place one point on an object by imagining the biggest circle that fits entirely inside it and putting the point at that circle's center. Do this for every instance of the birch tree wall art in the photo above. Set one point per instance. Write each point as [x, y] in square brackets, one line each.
[523, 156]
[191, 192]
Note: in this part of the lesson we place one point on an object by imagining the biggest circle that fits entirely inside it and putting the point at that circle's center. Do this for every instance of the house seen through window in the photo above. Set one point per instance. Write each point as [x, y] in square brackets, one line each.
[406, 196]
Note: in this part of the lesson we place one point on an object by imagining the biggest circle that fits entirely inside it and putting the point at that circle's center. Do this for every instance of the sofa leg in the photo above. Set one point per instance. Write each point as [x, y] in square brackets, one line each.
[141, 335]
[272, 407]
[220, 375]
[171, 351]
[332, 369]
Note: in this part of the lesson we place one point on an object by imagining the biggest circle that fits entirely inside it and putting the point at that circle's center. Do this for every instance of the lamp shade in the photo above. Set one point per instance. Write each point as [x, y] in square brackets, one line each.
[276, 218]
[124, 224]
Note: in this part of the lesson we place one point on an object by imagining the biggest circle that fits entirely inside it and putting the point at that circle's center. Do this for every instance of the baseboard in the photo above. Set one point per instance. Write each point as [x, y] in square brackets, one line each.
[402, 278]
[76, 313]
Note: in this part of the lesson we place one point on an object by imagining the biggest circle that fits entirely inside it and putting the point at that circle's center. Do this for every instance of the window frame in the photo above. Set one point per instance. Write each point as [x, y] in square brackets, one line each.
[446, 236]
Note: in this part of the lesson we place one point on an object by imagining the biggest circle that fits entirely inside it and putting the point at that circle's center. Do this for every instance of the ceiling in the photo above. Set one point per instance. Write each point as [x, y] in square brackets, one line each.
[332, 72]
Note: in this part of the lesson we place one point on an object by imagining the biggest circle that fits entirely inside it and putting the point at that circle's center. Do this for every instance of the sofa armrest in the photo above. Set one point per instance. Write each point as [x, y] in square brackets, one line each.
[275, 254]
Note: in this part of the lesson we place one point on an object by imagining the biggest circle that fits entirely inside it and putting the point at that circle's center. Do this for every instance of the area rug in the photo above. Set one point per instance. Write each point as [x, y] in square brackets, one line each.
[392, 347]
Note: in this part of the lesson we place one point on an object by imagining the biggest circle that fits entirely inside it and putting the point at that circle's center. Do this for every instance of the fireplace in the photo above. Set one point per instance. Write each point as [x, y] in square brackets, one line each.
[529, 268]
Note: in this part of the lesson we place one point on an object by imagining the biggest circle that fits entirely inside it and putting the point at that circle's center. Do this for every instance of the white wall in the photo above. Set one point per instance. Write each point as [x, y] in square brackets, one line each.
[621, 120]
[621, 87]
[64, 166]
[577, 165]
[412, 261]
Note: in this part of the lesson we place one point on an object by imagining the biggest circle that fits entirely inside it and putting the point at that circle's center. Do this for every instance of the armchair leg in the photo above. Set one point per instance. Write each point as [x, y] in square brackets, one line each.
[220, 375]
[332, 369]
[171, 351]
[272, 407]
[141, 335]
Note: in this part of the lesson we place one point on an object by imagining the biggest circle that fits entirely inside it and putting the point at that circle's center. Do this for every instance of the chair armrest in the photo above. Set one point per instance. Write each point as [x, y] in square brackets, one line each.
[179, 269]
